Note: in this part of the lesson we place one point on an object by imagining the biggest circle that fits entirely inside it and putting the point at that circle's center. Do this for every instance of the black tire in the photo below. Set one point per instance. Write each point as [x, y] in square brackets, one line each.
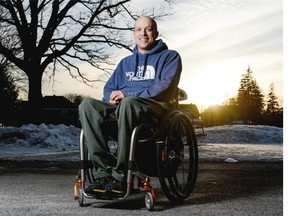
[86, 163]
[177, 156]
[80, 197]
[149, 201]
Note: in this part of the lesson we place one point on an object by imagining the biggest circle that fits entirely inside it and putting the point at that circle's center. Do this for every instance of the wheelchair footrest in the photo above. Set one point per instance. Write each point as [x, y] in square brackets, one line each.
[107, 195]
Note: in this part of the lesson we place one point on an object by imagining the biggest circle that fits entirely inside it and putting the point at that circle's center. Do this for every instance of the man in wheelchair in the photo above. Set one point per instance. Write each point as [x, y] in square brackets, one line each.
[143, 85]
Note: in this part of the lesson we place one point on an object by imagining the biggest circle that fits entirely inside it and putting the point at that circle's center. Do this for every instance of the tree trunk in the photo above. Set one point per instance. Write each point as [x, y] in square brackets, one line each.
[35, 97]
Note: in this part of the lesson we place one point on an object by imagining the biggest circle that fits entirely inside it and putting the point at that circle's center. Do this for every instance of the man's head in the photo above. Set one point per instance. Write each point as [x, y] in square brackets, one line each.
[145, 33]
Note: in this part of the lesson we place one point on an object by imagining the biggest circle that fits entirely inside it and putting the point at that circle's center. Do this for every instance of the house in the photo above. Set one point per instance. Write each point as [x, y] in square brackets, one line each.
[54, 110]
[59, 110]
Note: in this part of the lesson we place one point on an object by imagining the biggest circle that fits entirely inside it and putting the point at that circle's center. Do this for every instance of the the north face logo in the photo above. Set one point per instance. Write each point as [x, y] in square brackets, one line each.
[149, 74]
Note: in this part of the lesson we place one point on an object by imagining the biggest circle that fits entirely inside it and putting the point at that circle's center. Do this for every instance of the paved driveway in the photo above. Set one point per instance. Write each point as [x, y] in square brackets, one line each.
[248, 188]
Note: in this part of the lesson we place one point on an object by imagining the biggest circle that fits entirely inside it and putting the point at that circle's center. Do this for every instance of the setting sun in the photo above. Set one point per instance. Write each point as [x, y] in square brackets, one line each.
[212, 84]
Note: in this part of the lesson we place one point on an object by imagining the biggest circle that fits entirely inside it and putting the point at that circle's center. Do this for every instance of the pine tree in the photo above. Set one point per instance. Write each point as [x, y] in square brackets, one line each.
[250, 99]
[272, 103]
[273, 114]
[8, 94]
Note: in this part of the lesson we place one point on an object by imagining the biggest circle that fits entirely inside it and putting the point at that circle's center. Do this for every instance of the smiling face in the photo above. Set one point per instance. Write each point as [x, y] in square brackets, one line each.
[145, 34]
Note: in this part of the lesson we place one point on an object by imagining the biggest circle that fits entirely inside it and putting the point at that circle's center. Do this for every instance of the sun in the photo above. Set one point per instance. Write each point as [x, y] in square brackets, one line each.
[209, 87]
[203, 97]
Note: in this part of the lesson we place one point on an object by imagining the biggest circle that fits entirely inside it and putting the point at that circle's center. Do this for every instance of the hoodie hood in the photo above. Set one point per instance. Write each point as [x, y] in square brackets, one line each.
[159, 47]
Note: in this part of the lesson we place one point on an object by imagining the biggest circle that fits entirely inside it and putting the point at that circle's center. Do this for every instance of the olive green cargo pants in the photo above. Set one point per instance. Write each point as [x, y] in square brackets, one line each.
[94, 117]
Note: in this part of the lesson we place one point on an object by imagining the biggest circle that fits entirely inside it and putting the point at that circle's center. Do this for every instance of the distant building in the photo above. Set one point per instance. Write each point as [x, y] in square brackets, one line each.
[54, 110]
[59, 110]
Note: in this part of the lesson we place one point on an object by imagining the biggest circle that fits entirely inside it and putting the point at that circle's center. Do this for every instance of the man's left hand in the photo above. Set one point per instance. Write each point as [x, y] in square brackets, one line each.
[116, 97]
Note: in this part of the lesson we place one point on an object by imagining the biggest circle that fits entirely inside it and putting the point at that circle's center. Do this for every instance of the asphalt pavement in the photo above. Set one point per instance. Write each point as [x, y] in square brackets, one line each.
[244, 188]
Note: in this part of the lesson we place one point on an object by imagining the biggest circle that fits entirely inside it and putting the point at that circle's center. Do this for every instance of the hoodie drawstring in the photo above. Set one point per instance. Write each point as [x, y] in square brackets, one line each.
[145, 65]
[137, 64]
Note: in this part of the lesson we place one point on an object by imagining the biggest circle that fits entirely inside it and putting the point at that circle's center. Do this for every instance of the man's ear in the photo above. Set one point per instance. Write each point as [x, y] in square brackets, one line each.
[157, 34]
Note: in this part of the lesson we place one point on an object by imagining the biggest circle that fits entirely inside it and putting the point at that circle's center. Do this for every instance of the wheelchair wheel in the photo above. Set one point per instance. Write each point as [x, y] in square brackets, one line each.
[86, 164]
[80, 197]
[177, 156]
[149, 201]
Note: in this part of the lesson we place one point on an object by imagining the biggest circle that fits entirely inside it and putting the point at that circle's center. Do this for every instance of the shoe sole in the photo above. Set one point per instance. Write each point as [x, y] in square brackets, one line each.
[99, 190]
[117, 191]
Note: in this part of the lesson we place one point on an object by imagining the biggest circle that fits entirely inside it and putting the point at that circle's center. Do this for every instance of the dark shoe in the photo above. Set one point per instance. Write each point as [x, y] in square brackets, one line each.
[116, 187]
[98, 186]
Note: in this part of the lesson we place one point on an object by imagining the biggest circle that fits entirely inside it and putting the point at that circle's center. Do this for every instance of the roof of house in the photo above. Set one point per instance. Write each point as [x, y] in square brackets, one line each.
[57, 102]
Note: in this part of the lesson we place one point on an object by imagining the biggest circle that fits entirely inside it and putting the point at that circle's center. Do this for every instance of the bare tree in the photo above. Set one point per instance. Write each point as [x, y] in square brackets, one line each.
[39, 36]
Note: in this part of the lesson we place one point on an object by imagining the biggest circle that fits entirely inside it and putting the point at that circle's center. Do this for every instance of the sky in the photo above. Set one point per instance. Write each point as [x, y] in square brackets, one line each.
[230, 143]
[218, 40]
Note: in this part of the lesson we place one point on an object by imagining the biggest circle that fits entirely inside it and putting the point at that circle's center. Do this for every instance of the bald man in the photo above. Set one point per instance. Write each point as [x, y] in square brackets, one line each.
[143, 85]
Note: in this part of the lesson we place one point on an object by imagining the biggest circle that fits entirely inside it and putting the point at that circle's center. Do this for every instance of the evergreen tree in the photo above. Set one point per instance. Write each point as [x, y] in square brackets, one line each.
[272, 103]
[250, 99]
[75, 98]
[273, 114]
[231, 102]
[8, 94]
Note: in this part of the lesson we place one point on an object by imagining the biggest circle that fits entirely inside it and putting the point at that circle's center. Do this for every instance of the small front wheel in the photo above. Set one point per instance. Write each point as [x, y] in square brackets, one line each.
[80, 197]
[149, 201]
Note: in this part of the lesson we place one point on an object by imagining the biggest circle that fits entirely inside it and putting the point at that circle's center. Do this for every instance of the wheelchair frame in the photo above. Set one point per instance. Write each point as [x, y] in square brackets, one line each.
[175, 139]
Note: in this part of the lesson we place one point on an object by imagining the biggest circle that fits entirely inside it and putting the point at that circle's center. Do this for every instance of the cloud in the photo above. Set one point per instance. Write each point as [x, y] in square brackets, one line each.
[222, 55]
[252, 37]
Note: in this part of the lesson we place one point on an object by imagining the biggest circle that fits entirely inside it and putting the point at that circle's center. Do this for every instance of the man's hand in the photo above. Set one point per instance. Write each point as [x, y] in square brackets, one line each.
[116, 97]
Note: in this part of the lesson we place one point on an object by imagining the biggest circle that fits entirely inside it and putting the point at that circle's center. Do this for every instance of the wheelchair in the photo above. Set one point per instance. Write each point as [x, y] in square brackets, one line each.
[175, 161]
